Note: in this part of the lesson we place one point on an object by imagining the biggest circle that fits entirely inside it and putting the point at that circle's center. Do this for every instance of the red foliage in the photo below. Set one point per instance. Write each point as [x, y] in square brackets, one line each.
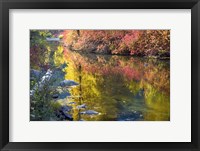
[132, 42]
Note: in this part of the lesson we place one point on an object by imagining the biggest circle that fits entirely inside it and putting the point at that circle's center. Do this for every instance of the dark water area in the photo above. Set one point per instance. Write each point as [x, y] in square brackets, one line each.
[117, 88]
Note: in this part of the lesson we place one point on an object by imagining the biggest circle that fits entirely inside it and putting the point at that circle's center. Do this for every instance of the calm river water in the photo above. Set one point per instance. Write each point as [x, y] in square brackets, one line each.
[119, 88]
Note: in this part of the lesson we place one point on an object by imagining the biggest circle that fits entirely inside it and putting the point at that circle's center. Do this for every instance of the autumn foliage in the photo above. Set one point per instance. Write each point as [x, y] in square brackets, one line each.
[121, 42]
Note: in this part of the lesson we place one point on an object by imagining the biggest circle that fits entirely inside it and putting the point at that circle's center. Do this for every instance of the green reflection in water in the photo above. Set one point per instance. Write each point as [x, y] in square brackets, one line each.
[119, 87]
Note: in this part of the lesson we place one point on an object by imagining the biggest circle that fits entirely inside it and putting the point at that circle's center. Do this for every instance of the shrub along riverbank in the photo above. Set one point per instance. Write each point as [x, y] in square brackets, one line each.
[143, 43]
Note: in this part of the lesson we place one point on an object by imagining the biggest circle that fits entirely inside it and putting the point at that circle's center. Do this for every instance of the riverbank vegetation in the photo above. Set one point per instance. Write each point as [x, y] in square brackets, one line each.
[149, 43]
[47, 70]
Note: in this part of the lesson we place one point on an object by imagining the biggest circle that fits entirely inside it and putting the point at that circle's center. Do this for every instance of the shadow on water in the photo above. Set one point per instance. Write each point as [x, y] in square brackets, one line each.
[118, 88]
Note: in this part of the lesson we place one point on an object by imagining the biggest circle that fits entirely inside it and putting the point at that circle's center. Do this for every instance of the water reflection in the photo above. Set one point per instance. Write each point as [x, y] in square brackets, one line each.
[118, 87]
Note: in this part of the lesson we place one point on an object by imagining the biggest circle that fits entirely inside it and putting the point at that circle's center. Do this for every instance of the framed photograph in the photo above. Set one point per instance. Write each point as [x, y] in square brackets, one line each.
[99, 75]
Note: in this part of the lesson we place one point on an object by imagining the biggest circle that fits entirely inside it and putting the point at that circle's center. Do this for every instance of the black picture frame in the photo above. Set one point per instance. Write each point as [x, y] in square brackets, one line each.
[5, 5]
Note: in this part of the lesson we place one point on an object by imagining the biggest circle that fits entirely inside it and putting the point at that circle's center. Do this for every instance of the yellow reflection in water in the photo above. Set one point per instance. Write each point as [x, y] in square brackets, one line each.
[112, 85]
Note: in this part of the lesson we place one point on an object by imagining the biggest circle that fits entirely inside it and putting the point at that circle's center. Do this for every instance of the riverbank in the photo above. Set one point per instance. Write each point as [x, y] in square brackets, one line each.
[140, 43]
[161, 56]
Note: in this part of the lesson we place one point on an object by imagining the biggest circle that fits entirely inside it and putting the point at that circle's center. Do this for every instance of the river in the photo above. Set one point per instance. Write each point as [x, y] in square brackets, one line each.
[119, 88]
